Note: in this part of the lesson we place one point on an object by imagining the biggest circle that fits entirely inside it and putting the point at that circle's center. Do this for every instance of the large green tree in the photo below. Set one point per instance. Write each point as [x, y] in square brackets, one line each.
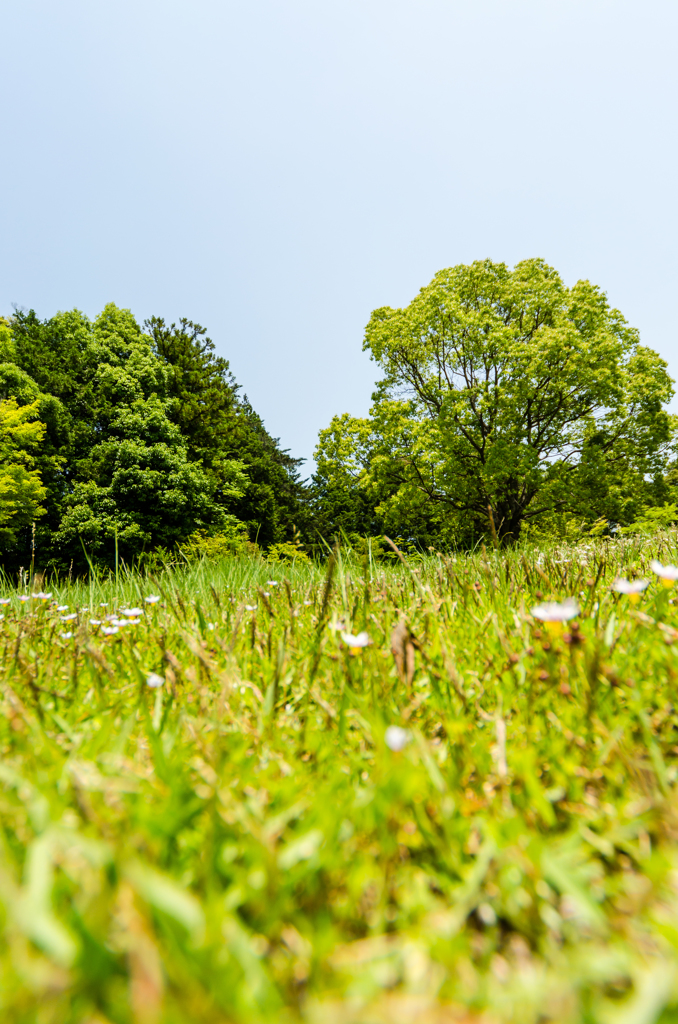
[220, 426]
[505, 397]
[126, 472]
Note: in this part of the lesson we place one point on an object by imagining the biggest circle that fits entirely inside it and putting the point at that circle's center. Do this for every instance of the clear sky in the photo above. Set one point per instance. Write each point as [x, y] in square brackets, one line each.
[275, 169]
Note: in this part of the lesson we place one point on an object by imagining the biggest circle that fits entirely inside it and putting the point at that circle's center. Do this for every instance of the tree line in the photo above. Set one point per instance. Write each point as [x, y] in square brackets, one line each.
[509, 404]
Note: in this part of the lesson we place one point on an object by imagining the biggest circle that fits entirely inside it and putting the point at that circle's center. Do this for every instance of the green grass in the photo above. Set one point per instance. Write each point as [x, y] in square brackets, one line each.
[241, 844]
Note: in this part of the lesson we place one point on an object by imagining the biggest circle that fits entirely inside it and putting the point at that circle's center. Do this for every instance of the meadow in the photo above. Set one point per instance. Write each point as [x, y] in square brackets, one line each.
[357, 792]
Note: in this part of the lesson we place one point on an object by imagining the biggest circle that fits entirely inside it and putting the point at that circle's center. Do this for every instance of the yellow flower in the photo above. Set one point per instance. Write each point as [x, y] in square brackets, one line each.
[668, 574]
[553, 613]
[356, 643]
[632, 588]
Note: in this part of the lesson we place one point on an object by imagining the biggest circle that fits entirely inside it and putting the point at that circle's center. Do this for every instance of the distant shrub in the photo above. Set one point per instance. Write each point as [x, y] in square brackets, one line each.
[231, 541]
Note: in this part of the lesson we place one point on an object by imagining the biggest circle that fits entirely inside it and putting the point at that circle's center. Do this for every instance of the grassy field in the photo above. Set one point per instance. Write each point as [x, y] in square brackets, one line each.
[224, 811]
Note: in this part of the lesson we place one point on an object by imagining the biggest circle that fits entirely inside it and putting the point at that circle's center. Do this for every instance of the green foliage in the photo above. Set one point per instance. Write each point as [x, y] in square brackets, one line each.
[231, 540]
[21, 490]
[217, 423]
[507, 396]
[146, 442]
[240, 843]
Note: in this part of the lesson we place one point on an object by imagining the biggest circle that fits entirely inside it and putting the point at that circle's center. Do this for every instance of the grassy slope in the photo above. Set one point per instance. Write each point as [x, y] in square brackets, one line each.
[242, 845]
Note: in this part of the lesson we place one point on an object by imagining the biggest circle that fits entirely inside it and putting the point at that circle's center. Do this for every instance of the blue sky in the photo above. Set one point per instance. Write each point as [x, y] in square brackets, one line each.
[275, 169]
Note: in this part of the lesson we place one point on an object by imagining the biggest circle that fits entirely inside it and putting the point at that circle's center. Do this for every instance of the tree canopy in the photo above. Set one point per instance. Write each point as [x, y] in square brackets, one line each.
[506, 397]
[144, 440]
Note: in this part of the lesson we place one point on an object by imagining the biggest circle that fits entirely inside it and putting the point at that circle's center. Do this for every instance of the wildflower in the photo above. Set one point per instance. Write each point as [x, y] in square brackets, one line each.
[1, 618]
[132, 613]
[62, 607]
[109, 630]
[356, 643]
[66, 636]
[396, 738]
[104, 604]
[131, 622]
[668, 574]
[154, 680]
[42, 596]
[95, 622]
[633, 589]
[69, 618]
[251, 607]
[5, 600]
[24, 597]
[553, 614]
[272, 583]
[152, 599]
[307, 604]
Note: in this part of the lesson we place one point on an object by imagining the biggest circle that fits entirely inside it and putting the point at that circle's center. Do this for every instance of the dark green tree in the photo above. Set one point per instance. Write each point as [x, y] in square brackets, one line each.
[219, 426]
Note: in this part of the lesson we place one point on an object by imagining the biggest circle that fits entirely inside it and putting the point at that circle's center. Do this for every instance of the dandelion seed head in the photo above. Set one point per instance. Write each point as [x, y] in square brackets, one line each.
[396, 738]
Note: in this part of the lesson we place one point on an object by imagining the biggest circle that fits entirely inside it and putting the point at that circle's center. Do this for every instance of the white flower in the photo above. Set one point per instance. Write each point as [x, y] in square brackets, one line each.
[396, 738]
[272, 583]
[42, 596]
[24, 597]
[356, 642]
[154, 680]
[104, 604]
[630, 587]
[69, 618]
[1, 617]
[552, 611]
[62, 607]
[668, 574]
[66, 636]
[132, 613]
[109, 630]
[95, 622]
[5, 600]
[251, 607]
[308, 603]
[152, 599]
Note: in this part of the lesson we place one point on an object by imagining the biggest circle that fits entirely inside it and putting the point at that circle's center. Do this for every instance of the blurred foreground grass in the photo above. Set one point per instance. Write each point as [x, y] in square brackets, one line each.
[240, 843]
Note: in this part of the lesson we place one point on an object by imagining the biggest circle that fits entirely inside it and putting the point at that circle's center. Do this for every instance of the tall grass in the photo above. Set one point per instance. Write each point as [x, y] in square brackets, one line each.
[252, 840]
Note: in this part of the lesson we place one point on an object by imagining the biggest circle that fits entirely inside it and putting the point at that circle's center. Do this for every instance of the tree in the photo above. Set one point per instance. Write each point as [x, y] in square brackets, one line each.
[21, 490]
[219, 427]
[126, 467]
[505, 397]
